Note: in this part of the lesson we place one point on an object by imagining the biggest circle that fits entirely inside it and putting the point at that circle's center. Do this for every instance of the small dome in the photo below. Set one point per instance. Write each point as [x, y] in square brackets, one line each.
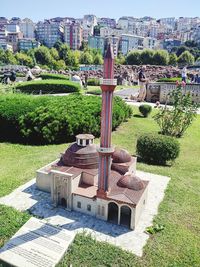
[131, 182]
[121, 156]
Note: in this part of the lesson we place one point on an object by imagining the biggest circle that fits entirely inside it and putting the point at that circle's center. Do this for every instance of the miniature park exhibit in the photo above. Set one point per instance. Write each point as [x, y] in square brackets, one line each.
[100, 180]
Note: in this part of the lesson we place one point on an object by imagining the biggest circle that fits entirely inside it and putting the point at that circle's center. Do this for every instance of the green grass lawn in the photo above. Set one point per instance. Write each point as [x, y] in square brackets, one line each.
[96, 90]
[178, 245]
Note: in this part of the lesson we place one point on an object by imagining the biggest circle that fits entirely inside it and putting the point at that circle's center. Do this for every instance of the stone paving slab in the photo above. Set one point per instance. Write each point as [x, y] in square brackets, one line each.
[27, 197]
[37, 244]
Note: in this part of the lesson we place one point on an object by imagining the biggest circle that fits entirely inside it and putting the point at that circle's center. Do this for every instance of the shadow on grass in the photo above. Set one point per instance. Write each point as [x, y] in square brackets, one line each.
[138, 116]
[150, 163]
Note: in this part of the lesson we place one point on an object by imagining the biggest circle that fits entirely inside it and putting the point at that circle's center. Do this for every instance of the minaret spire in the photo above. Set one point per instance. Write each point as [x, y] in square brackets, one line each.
[108, 85]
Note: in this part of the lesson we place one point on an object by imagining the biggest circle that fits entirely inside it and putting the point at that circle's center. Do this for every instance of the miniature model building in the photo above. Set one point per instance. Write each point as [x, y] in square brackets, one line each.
[97, 180]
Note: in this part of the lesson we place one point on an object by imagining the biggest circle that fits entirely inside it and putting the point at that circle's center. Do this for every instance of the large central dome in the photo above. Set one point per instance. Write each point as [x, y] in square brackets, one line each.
[82, 154]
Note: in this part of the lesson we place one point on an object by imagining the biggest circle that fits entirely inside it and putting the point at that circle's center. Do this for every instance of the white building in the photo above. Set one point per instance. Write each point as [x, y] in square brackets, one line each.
[114, 41]
[12, 28]
[106, 32]
[27, 27]
[130, 42]
[150, 43]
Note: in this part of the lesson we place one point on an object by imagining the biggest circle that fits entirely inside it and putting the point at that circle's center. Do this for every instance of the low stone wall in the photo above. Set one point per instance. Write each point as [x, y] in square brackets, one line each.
[160, 92]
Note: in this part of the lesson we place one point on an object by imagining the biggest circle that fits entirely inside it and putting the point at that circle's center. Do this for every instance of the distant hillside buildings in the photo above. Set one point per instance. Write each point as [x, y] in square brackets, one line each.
[126, 34]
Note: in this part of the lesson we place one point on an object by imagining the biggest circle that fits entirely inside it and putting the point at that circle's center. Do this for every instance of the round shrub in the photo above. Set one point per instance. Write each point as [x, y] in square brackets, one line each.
[169, 80]
[145, 110]
[93, 82]
[157, 149]
[54, 119]
[52, 76]
[48, 87]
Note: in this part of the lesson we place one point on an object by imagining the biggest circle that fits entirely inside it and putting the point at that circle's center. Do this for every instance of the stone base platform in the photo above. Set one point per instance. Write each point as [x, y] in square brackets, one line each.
[28, 197]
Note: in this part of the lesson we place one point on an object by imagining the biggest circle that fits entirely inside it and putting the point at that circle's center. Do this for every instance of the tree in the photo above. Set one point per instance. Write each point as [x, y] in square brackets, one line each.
[84, 46]
[54, 53]
[147, 57]
[86, 58]
[120, 60]
[180, 50]
[161, 57]
[173, 59]
[98, 59]
[133, 58]
[63, 51]
[24, 59]
[43, 56]
[186, 58]
[72, 58]
[191, 43]
[2, 55]
[58, 45]
[59, 64]
[9, 58]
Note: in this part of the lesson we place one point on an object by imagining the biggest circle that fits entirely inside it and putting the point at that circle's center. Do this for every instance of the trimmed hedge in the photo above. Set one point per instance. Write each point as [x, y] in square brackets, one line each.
[169, 80]
[52, 76]
[48, 87]
[157, 149]
[145, 110]
[51, 119]
[93, 82]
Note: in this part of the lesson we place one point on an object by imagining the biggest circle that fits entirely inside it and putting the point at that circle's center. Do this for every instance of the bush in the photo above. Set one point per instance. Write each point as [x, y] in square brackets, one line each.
[51, 76]
[175, 121]
[48, 87]
[169, 80]
[157, 149]
[47, 119]
[94, 82]
[145, 110]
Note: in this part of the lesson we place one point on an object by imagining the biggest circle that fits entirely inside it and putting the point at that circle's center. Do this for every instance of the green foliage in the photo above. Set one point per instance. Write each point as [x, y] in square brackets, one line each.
[180, 50]
[86, 58]
[48, 87]
[43, 56]
[133, 58]
[161, 57]
[93, 82]
[157, 149]
[120, 60]
[98, 59]
[169, 80]
[52, 76]
[147, 57]
[9, 58]
[186, 58]
[175, 121]
[173, 59]
[155, 229]
[145, 110]
[54, 53]
[24, 59]
[54, 119]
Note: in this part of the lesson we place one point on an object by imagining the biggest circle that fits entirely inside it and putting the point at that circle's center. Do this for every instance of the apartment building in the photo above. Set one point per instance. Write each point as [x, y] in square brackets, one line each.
[97, 42]
[27, 27]
[73, 35]
[48, 32]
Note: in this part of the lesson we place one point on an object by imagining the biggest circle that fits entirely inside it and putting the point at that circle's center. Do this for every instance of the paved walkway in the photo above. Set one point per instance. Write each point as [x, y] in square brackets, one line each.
[27, 197]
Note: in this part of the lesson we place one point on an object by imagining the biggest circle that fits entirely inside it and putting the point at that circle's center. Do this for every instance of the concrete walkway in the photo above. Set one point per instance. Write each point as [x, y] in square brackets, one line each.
[27, 197]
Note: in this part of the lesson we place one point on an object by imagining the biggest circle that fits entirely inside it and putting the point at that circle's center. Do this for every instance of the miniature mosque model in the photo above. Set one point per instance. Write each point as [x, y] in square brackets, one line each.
[97, 180]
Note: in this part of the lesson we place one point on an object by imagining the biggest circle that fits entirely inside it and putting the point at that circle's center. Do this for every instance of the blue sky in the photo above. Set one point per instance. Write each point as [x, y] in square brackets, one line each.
[40, 9]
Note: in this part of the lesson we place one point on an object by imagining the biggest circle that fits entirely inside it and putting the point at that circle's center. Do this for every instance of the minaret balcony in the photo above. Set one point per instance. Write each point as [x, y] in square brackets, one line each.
[108, 81]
